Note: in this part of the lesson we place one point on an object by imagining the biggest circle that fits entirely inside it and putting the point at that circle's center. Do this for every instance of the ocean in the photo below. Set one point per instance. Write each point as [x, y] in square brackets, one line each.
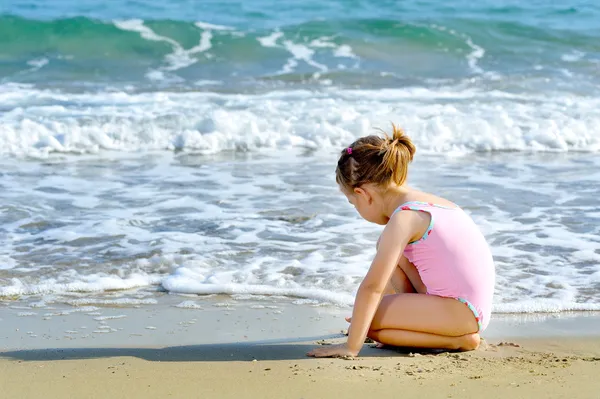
[188, 147]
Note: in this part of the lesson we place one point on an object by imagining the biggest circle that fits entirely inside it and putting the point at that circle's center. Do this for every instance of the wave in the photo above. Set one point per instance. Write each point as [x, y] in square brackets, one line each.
[76, 50]
[177, 285]
[120, 34]
[37, 122]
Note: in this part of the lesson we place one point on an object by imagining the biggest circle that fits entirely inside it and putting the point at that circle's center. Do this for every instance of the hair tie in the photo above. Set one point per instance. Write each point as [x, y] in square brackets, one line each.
[349, 150]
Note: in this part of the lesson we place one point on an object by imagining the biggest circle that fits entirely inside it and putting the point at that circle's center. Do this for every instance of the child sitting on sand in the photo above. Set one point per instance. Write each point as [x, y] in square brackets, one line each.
[432, 279]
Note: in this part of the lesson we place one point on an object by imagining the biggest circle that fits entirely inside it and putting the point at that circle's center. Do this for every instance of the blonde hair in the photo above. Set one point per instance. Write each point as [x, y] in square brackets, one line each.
[374, 159]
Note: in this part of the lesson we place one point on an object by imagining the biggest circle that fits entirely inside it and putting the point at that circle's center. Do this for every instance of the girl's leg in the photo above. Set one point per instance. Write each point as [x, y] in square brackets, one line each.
[402, 319]
[411, 273]
[404, 279]
[415, 339]
[425, 321]
[399, 282]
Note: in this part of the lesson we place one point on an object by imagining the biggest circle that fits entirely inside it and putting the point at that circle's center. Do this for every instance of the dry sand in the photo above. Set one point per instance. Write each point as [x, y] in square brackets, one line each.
[557, 368]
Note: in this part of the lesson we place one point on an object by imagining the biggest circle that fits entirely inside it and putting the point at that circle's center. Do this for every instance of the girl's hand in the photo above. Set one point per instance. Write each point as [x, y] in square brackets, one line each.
[340, 350]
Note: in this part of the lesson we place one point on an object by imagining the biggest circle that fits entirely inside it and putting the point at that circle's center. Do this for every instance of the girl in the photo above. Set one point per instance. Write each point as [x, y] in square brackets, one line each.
[432, 279]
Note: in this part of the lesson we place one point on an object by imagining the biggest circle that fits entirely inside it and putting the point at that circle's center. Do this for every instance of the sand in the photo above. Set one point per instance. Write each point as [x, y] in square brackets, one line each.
[560, 368]
[254, 351]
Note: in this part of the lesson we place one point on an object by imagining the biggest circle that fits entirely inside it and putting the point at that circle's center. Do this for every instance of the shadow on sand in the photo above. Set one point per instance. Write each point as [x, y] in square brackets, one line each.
[247, 351]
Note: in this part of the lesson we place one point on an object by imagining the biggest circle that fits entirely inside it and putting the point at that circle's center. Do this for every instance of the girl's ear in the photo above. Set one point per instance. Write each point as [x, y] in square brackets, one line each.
[364, 194]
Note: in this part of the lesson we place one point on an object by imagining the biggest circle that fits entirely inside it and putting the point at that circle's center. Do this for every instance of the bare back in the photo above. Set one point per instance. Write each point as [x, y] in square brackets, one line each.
[420, 196]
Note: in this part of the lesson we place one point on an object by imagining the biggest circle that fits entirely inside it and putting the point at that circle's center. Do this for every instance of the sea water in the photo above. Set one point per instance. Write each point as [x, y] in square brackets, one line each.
[189, 147]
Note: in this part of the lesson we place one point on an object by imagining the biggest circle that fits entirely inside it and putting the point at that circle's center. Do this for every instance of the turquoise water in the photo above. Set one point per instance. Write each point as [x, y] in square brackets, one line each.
[260, 45]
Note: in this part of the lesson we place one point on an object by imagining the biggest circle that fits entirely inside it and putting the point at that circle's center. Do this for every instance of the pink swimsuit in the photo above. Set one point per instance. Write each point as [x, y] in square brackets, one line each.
[453, 259]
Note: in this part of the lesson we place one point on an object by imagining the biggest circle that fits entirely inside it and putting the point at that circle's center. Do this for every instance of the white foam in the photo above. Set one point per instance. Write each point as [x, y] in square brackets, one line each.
[180, 58]
[573, 56]
[6, 262]
[111, 302]
[440, 121]
[207, 82]
[176, 60]
[208, 26]
[475, 55]
[179, 284]
[137, 25]
[84, 309]
[322, 42]
[301, 52]
[344, 51]
[477, 52]
[155, 75]
[104, 318]
[189, 305]
[89, 283]
[544, 306]
[204, 44]
[37, 63]
[270, 40]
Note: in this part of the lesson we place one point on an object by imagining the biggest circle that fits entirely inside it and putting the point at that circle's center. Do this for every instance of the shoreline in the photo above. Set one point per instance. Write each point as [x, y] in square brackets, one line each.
[176, 320]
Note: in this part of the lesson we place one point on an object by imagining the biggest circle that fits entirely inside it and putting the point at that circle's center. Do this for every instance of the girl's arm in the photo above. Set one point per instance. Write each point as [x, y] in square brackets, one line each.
[397, 234]
[399, 231]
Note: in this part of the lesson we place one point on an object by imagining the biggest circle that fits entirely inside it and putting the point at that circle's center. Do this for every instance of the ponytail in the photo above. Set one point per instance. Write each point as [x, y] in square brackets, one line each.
[373, 159]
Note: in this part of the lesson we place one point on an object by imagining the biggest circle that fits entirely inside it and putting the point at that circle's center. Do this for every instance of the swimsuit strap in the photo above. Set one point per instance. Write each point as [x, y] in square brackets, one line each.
[417, 206]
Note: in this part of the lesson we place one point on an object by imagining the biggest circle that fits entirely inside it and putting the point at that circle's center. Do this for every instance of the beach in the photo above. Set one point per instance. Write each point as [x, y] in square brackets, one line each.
[170, 223]
[255, 352]
[518, 373]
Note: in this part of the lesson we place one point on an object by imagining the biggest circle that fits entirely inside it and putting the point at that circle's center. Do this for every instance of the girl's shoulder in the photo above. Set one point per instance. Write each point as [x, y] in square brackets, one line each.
[426, 198]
